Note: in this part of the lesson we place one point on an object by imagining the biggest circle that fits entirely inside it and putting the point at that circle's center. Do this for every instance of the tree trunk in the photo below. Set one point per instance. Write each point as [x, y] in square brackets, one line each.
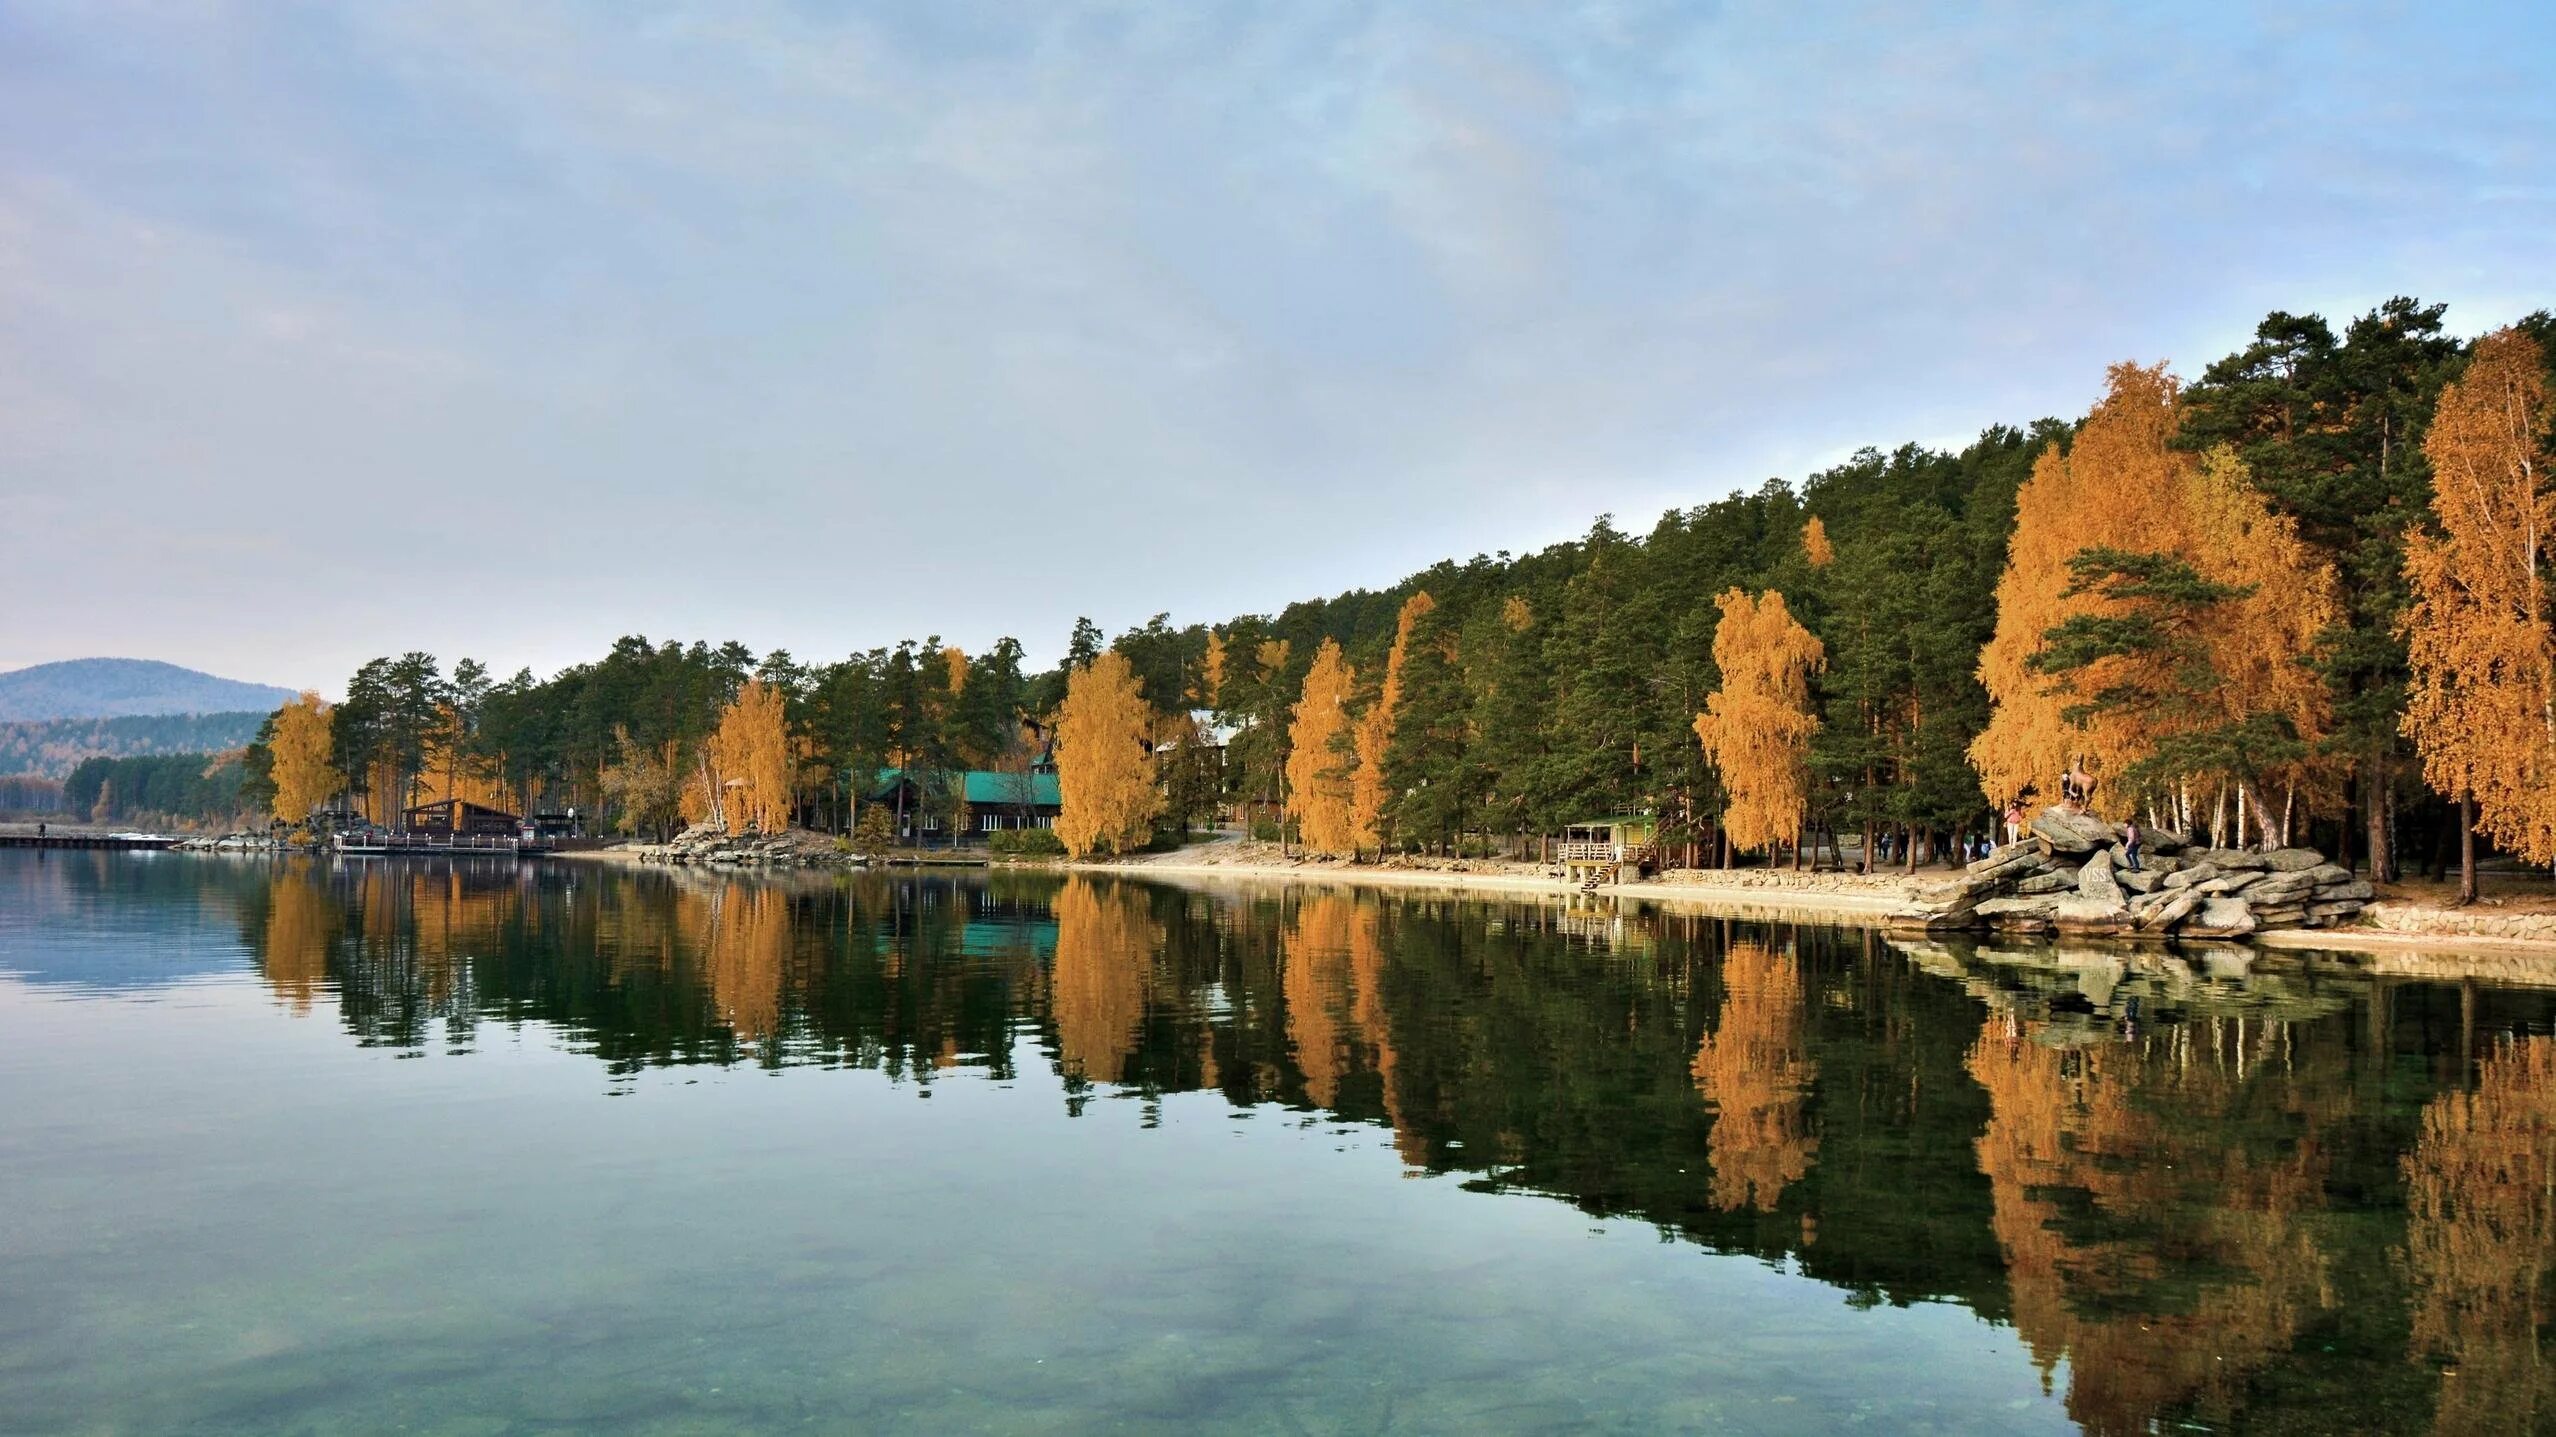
[2466, 849]
[2375, 789]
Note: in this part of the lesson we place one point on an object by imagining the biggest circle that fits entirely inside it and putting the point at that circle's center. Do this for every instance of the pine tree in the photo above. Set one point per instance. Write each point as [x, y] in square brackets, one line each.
[2125, 489]
[1104, 759]
[1368, 790]
[2481, 634]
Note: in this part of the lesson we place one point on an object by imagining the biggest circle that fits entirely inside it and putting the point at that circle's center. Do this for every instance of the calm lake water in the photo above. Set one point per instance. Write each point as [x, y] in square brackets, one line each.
[303, 1147]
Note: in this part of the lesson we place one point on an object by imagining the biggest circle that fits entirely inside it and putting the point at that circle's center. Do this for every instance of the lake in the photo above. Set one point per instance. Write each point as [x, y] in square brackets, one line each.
[294, 1146]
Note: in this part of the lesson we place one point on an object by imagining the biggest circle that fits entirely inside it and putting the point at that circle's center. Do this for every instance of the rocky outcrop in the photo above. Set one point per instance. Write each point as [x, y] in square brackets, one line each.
[710, 845]
[2070, 875]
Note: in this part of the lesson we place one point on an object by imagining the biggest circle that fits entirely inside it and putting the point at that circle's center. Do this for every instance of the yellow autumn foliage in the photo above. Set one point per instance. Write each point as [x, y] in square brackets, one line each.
[1105, 760]
[746, 769]
[1319, 760]
[2481, 635]
[1757, 727]
[1374, 735]
[304, 777]
[2124, 485]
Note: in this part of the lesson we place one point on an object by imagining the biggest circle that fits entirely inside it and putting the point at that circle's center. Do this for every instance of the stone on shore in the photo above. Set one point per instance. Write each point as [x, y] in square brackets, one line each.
[2095, 881]
[2068, 832]
[2221, 918]
[2072, 873]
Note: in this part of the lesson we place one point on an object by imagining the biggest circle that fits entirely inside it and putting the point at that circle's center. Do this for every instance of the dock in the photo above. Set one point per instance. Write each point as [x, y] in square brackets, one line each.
[142, 843]
[400, 845]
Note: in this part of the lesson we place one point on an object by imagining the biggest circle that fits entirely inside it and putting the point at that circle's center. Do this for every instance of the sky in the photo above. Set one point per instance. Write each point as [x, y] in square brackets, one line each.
[506, 327]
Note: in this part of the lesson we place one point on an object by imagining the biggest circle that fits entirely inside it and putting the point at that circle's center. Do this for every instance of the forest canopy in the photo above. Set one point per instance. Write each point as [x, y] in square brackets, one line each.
[2201, 590]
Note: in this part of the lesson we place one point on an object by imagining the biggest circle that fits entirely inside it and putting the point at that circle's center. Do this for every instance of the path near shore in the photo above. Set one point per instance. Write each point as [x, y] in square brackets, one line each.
[2404, 931]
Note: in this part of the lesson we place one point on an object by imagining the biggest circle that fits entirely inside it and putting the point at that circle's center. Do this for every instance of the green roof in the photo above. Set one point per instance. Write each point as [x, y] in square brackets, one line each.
[986, 787]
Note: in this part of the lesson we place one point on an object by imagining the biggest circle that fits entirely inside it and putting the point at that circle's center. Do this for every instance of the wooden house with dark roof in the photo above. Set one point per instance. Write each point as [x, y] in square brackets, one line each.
[458, 817]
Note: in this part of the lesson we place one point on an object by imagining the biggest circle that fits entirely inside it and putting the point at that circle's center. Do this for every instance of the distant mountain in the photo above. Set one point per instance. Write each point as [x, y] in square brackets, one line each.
[114, 688]
[54, 747]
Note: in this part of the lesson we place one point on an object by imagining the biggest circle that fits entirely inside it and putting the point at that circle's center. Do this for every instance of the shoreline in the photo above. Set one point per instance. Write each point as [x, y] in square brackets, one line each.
[1786, 899]
[1784, 896]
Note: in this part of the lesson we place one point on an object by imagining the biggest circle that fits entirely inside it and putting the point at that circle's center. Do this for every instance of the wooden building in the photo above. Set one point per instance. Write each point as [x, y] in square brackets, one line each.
[461, 818]
[968, 806]
[1604, 850]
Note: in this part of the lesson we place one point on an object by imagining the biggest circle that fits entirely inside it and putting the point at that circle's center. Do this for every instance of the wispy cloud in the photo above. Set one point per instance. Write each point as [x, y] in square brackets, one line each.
[819, 329]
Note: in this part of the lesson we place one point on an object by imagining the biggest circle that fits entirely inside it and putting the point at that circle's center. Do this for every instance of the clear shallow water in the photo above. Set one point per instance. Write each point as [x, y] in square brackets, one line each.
[301, 1148]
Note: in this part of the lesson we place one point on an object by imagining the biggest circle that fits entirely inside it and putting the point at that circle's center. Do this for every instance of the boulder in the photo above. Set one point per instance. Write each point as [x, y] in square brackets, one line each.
[2068, 832]
[2095, 881]
[2233, 858]
[2177, 904]
[2291, 860]
[2056, 881]
[2297, 881]
[2220, 918]
[2357, 891]
[2325, 873]
[2088, 915]
[2019, 914]
[2163, 840]
[2140, 880]
[2330, 911]
[2004, 854]
[2201, 872]
[2277, 917]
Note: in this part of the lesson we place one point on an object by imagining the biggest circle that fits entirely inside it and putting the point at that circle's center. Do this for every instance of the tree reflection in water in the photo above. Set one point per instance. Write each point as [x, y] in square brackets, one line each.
[2200, 1190]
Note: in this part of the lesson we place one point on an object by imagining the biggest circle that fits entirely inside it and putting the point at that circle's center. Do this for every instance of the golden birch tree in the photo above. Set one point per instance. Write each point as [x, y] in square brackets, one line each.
[1367, 795]
[2124, 488]
[2480, 634]
[749, 761]
[304, 778]
[1320, 756]
[1211, 674]
[1757, 727]
[1815, 545]
[1105, 760]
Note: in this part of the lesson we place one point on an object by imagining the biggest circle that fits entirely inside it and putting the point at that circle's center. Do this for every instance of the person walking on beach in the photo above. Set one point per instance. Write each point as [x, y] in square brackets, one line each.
[2130, 844]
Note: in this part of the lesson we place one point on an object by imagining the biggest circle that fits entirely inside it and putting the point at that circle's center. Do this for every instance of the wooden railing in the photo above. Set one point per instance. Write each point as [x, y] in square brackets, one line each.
[1569, 852]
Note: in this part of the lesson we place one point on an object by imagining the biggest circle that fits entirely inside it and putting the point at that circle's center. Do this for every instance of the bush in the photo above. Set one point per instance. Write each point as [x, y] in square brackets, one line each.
[1266, 830]
[1025, 843]
[875, 832]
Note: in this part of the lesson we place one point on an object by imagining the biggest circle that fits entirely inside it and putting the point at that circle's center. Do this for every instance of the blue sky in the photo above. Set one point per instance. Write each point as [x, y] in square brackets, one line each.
[821, 326]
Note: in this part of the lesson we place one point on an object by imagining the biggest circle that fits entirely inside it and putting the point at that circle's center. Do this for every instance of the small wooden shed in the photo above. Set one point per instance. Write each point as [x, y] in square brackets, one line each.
[1599, 849]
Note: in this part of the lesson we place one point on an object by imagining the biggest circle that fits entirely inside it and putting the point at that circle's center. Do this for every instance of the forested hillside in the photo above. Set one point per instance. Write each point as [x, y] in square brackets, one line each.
[109, 688]
[53, 747]
[182, 790]
[2233, 603]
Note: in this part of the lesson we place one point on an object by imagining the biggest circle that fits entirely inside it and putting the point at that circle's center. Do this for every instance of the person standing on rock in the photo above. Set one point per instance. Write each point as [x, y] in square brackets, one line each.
[2130, 844]
[2014, 822]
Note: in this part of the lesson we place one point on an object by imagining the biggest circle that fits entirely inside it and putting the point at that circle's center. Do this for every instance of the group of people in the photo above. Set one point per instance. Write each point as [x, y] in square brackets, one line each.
[2076, 790]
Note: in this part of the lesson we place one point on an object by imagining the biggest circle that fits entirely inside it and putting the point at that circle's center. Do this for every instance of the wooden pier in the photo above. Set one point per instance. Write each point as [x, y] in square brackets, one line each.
[441, 845]
[146, 843]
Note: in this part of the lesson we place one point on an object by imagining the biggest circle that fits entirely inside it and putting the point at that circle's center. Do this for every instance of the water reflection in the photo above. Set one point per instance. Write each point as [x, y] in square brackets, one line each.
[2200, 1186]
